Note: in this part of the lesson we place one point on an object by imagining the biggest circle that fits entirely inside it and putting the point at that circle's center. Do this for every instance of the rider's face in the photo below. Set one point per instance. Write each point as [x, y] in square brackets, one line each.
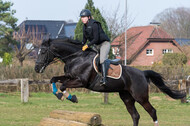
[84, 20]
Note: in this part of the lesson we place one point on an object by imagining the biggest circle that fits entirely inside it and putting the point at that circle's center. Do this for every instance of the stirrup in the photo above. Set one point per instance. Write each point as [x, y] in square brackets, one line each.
[103, 82]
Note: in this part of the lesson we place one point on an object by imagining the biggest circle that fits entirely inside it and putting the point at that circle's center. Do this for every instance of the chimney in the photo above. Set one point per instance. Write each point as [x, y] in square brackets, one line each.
[155, 23]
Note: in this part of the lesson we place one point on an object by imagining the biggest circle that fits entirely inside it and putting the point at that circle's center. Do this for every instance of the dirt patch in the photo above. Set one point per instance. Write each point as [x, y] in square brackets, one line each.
[169, 98]
[156, 98]
[2, 103]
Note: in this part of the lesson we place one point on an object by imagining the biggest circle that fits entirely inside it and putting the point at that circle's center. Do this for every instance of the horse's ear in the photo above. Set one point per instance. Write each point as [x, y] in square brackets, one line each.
[46, 40]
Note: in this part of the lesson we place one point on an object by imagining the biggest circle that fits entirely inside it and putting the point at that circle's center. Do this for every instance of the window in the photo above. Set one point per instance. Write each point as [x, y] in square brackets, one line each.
[167, 51]
[115, 51]
[149, 52]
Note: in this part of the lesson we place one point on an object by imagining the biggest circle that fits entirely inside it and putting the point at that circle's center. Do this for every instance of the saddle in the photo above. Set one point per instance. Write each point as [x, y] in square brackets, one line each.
[113, 68]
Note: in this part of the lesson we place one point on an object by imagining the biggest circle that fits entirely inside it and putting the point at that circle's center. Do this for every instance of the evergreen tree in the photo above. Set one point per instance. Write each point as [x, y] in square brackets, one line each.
[7, 26]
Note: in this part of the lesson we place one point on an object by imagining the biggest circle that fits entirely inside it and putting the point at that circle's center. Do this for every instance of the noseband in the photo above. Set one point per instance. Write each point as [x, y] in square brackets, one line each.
[44, 64]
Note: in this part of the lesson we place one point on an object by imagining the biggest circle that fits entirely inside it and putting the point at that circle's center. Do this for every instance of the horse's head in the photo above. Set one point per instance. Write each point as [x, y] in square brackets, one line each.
[60, 48]
[45, 56]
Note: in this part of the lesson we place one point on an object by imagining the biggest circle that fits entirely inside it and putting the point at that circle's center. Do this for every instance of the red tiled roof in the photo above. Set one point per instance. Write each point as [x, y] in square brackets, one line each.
[159, 33]
[137, 37]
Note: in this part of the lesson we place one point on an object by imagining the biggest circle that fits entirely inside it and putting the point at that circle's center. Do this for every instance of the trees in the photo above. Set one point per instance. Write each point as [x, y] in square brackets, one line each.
[27, 41]
[175, 21]
[116, 24]
[7, 26]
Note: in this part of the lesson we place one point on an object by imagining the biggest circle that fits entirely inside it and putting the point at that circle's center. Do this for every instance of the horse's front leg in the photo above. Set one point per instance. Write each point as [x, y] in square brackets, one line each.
[64, 93]
[58, 78]
[70, 83]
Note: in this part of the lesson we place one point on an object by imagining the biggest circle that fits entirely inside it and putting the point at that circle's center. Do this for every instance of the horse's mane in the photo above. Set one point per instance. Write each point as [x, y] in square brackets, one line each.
[68, 40]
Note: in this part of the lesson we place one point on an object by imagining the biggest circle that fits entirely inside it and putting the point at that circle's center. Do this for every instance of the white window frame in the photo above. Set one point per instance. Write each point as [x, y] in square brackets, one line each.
[113, 51]
[117, 52]
[164, 51]
[148, 52]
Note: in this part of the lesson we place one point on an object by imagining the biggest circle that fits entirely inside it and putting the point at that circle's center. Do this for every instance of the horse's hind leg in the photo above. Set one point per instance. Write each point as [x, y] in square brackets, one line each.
[150, 109]
[130, 105]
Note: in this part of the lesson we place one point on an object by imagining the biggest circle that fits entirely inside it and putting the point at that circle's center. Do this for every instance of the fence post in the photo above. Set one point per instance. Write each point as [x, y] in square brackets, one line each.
[106, 98]
[24, 90]
[188, 87]
[182, 86]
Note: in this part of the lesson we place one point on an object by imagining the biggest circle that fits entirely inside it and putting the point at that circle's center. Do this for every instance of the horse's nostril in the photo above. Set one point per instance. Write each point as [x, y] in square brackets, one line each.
[36, 69]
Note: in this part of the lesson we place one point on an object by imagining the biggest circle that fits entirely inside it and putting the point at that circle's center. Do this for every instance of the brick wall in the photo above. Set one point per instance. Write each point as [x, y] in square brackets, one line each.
[143, 60]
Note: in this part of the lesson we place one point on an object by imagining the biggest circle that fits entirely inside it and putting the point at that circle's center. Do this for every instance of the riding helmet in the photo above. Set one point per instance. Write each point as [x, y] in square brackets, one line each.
[85, 13]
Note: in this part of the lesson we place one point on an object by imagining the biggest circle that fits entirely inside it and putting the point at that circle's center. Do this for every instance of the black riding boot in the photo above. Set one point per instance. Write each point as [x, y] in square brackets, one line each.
[103, 81]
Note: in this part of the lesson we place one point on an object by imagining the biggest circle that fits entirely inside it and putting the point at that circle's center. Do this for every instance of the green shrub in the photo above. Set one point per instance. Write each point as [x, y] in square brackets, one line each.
[27, 71]
[7, 58]
[174, 59]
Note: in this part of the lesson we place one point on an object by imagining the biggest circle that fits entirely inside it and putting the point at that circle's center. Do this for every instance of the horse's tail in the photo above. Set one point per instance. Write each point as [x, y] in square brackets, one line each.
[157, 79]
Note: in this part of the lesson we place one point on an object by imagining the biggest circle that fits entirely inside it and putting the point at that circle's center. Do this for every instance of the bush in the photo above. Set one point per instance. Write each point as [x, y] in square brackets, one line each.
[27, 71]
[7, 58]
[174, 59]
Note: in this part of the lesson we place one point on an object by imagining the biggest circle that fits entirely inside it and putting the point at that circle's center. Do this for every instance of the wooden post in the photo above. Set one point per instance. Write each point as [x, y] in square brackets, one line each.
[24, 90]
[188, 87]
[182, 86]
[106, 98]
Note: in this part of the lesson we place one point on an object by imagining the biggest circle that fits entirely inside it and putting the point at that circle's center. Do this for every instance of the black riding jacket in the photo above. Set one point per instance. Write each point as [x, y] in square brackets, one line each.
[93, 32]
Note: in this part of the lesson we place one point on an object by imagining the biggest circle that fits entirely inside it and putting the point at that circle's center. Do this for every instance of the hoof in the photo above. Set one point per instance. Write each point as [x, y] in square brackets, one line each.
[60, 96]
[74, 99]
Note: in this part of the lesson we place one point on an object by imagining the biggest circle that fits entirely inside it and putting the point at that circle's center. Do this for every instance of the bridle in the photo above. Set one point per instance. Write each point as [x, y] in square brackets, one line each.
[58, 57]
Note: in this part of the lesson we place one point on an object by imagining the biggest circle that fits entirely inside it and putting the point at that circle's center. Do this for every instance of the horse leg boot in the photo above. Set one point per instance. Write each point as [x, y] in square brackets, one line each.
[72, 98]
[104, 74]
[65, 94]
[56, 93]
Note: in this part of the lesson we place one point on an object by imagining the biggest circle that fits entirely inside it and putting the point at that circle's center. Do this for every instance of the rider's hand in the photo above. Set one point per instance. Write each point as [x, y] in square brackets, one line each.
[84, 47]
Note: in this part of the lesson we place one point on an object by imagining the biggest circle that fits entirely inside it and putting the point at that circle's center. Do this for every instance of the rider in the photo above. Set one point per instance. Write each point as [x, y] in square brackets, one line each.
[92, 31]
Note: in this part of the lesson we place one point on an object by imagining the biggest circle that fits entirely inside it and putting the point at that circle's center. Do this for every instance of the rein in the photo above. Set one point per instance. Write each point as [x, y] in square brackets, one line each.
[58, 57]
[61, 57]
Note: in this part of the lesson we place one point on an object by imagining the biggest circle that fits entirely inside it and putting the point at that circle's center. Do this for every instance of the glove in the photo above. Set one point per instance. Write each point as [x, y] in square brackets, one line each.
[84, 47]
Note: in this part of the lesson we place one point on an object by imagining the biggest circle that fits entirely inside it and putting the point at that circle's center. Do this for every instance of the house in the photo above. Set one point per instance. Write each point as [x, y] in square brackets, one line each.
[52, 28]
[145, 45]
[37, 30]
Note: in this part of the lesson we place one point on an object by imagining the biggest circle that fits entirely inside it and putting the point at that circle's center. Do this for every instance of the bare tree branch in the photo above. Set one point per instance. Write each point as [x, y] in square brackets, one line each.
[116, 24]
[30, 37]
[175, 21]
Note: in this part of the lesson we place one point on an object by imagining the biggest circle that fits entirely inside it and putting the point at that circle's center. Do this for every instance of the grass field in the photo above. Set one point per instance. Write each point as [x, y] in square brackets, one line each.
[14, 113]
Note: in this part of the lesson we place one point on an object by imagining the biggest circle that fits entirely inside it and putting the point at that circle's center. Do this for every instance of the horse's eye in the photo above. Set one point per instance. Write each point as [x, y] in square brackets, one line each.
[43, 51]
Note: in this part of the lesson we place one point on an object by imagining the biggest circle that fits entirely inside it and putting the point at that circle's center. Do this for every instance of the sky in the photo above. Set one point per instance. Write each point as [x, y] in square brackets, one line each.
[142, 11]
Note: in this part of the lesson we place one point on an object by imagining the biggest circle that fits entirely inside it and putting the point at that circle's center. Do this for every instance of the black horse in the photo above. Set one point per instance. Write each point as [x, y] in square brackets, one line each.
[79, 72]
